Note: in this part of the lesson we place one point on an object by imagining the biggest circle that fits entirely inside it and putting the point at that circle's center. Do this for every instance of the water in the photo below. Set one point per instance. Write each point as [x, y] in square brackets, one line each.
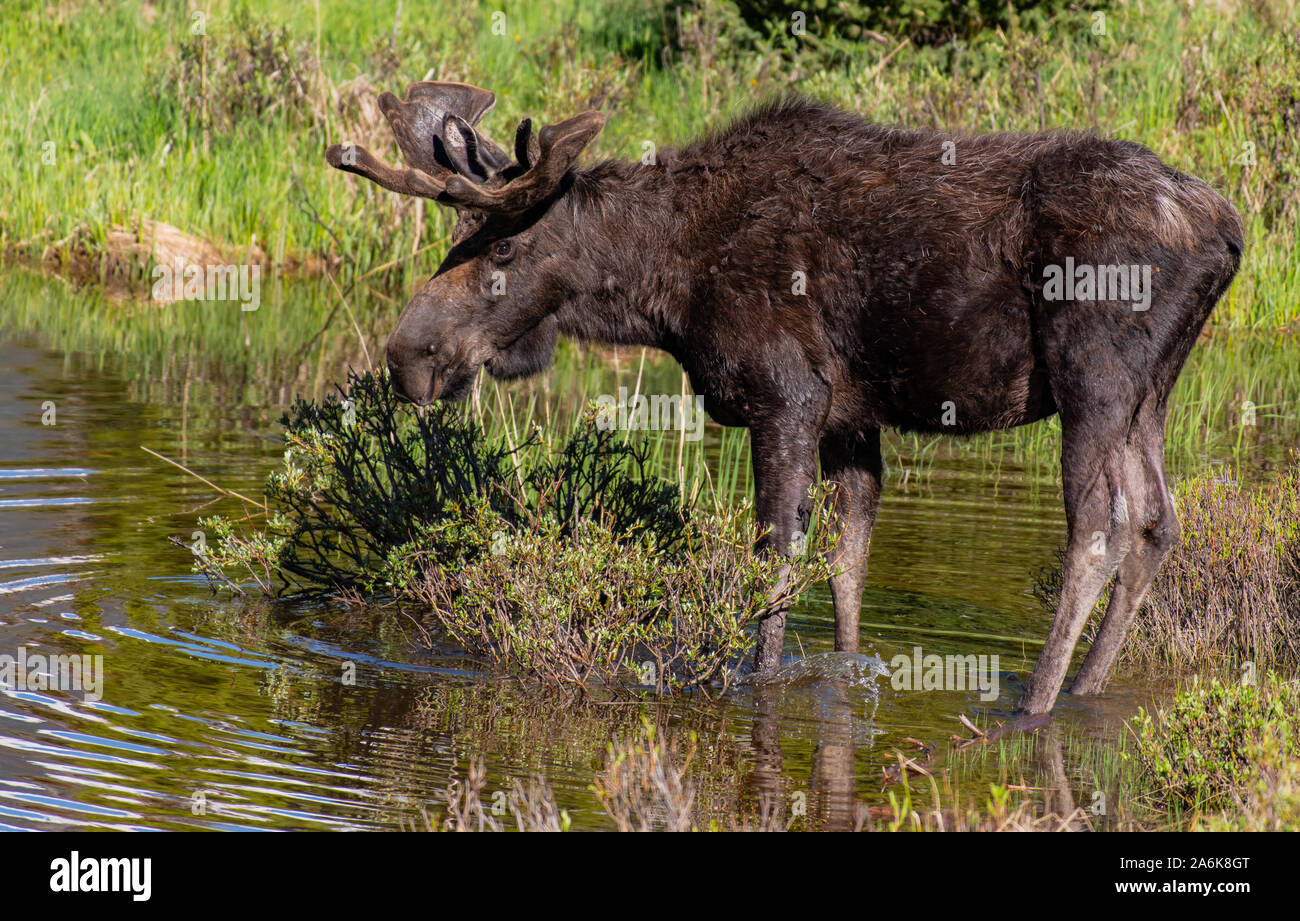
[227, 714]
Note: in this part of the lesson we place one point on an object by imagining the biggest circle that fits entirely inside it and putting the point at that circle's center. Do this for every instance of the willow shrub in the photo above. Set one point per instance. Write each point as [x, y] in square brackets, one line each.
[572, 564]
[1205, 749]
[1229, 591]
[1271, 800]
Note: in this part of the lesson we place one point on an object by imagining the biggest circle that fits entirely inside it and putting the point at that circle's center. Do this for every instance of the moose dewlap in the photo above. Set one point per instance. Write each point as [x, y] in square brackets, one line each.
[819, 278]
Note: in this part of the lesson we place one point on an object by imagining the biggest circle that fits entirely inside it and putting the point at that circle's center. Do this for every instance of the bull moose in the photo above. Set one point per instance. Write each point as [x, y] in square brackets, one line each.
[819, 277]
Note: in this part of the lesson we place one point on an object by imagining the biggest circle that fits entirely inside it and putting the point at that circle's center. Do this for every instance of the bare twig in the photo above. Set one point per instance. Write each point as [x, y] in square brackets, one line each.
[207, 482]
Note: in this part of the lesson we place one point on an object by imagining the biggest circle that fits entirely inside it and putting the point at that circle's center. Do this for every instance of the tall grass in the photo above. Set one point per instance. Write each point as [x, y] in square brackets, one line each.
[114, 112]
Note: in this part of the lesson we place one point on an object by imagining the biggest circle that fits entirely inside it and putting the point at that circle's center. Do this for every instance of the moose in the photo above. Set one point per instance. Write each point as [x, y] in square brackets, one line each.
[819, 277]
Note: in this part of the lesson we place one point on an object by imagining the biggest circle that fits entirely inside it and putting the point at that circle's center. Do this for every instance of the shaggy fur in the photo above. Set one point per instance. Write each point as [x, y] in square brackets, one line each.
[819, 278]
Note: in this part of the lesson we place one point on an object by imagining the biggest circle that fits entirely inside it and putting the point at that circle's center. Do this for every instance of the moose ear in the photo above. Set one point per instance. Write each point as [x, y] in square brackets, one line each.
[564, 141]
[558, 148]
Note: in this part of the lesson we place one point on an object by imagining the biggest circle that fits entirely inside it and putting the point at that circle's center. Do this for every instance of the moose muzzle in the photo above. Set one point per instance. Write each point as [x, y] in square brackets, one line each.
[425, 366]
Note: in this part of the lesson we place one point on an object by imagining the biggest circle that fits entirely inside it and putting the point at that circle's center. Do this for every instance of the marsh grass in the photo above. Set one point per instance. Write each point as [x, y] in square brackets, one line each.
[120, 112]
[1230, 592]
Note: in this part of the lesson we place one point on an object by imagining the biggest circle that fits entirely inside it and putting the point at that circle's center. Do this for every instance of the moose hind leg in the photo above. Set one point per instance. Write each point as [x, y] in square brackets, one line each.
[855, 468]
[1155, 530]
[1096, 511]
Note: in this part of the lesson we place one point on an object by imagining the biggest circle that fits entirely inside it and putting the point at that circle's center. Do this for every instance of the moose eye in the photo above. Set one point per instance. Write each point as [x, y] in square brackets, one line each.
[503, 250]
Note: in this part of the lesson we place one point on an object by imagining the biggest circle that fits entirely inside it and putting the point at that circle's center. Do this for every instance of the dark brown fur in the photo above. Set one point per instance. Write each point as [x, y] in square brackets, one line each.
[924, 294]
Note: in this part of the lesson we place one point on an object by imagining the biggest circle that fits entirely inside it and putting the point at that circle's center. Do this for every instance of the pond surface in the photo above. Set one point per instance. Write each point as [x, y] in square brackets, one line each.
[219, 713]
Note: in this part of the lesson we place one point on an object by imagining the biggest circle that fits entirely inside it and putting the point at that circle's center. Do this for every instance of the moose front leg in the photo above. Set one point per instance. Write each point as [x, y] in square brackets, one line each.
[785, 464]
[853, 464]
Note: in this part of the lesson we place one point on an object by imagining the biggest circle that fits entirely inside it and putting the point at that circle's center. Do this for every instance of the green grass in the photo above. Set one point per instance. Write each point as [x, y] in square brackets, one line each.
[102, 86]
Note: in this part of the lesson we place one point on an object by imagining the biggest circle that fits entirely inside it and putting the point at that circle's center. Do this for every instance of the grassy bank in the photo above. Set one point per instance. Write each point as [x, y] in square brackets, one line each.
[123, 113]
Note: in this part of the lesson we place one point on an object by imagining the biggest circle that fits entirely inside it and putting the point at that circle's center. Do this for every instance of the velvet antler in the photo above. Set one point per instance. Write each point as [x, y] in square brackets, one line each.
[449, 160]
